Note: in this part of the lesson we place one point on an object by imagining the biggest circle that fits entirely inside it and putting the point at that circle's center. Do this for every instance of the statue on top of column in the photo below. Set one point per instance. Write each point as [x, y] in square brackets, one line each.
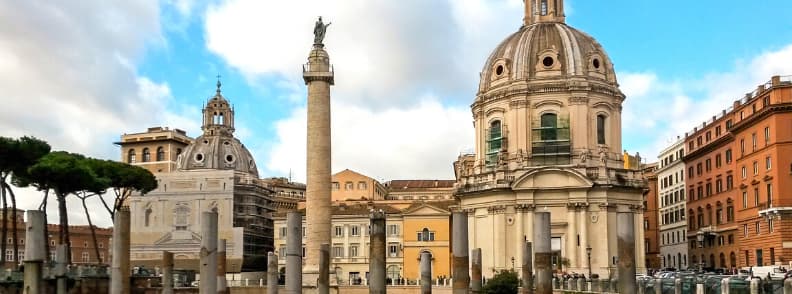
[320, 29]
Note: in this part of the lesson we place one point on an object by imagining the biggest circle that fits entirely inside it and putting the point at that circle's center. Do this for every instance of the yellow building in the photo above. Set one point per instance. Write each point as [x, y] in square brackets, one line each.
[427, 228]
[350, 185]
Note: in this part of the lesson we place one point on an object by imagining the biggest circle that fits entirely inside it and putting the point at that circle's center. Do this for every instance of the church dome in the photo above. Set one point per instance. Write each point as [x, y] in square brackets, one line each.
[217, 148]
[546, 50]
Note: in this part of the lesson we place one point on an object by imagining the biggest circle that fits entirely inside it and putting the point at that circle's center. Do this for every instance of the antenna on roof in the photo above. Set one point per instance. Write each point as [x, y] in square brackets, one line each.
[290, 175]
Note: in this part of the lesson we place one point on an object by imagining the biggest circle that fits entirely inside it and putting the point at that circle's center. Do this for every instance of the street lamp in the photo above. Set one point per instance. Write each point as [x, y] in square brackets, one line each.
[588, 254]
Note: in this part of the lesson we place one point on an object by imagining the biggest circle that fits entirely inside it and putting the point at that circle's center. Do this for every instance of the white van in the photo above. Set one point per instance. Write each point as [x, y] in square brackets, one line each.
[776, 272]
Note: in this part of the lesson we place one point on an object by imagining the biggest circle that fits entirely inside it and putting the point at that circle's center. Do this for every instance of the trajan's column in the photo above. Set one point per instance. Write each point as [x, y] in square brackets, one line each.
[318, 76]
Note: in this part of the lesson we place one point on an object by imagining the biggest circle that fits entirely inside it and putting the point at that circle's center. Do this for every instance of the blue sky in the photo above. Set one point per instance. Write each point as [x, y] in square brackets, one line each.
[79, 74]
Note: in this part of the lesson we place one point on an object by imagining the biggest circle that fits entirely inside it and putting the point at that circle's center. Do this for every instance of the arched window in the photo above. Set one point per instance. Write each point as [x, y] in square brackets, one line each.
[544, 7]
[131, 158]
[494, 141]
[679, 258]
[146, 155]
[733, 259]
[549, 123]
[722, 260]
[147, 217]
[425, 235]
[600, 129]
[160, 154]
[712, 260]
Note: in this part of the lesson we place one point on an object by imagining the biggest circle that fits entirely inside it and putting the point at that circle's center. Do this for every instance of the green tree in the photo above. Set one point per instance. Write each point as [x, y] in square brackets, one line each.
[504, 282]
[124, 180]
[97, 186]
[65, 173]
[16, 156]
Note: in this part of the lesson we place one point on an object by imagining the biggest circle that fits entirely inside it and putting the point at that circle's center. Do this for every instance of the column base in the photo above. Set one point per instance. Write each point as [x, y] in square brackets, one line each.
[310, 278]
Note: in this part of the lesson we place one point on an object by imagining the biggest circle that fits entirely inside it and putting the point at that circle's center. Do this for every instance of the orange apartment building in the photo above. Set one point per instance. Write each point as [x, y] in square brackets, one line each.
[763, 154]
[650, 223]
[712, 225]
[738, 167]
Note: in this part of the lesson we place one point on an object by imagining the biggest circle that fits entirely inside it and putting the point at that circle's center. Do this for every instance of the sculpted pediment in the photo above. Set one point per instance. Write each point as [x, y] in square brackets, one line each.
[179, 237]
[551, 178]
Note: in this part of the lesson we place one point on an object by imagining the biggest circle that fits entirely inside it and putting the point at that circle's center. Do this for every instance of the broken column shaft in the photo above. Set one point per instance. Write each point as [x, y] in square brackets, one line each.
[294, 252]
[120, 269]
[461, 276]
[543, 253]
[626, 248]
[208, 283]
[377, 253]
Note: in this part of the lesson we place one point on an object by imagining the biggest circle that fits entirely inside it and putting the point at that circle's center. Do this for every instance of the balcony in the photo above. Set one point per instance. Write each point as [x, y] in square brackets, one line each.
[550, 146]
[768, 210]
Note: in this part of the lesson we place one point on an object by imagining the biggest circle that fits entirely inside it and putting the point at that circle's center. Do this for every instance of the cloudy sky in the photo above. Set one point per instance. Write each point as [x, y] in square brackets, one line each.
[81, 73]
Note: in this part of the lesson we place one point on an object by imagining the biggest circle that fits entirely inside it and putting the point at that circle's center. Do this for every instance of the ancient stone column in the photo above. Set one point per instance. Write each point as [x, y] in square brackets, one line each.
[426, 273]
[461, 274]
[34, 251]
[542, 253]
[626, 248]
[377, 256]
[222, 284]
[323, 283]
[475, 283]
[167, 272]
[755, 286]
[527, 268]
[294, 252]
[788, 286]
[208, 283]
[318, 77]
[724, 286]
[678, 286]
[120, 269]
[272, 273]
[60, 269]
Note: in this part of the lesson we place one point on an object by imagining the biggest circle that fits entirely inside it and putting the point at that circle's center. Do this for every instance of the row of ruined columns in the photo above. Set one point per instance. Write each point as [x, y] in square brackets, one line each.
[536, 263]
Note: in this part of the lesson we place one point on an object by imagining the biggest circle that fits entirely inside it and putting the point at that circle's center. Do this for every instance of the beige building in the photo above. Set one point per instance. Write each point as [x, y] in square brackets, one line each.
[156, 149]
[213, 173]
[547, 119]
[349, 250]
[288, 194]
[350, 185]
[424, 190]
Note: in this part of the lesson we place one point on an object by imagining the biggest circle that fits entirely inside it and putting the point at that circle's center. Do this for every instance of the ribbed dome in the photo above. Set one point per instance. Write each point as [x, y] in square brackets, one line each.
[546, 50]
[217, 148]
[217, 152]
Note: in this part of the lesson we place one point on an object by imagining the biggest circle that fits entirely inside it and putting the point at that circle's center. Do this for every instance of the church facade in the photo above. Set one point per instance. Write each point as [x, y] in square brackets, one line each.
[547, 119]
[215, 172]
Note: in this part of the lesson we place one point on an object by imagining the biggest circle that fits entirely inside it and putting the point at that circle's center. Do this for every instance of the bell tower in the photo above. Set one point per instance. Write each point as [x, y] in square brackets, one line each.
[218, 115]
[537, 11]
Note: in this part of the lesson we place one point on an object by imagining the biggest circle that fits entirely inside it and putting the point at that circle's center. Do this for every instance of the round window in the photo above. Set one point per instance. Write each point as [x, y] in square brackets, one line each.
[206, 141]
[499, 70]
[595, 63]
[199, 157]
[547, 61]
[229, 158]
[226, 143]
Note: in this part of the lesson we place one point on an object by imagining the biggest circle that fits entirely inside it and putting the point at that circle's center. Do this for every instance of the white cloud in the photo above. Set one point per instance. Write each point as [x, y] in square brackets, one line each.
[394, 62]
[420, 141]
[385, 53]
[658, 109]
[69, 77]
